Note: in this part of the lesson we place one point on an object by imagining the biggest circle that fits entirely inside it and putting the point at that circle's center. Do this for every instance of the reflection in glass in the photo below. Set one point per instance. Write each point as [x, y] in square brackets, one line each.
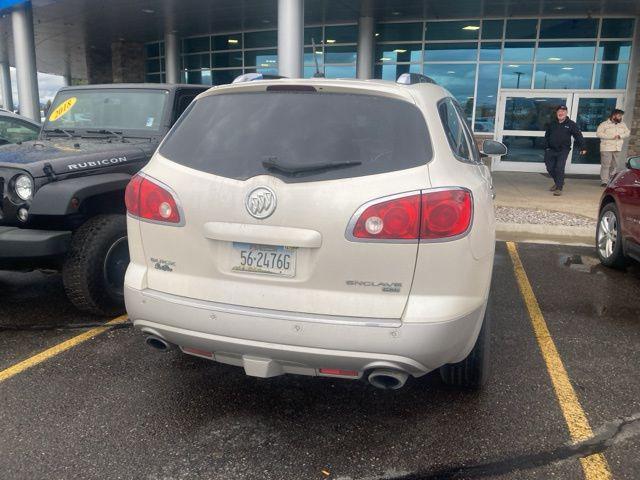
[520, 29]
[488, 75]
[453, 30]
[227, 42]
[343, 54]
[227, 59]
[399, 32]
[311, 34]
[611, 75]
[518, 51]
[341, 34]
[267, 38]
[197, 44]
[459, 79]
[492, 29]
[335, 71]
[617, 28]
[614, 51]
[203, 77]
[569, 28]
[409, 52]
[593, 111]
[516, 75]
[523, 149]
[593, 153]
[452, 52]
[153, 65]
[192, 62]
[220, 77]
[490, 51]
[563, 76]
[565, 51]
[261, 58]
[309, 57]
[392, 72]
[530, 113]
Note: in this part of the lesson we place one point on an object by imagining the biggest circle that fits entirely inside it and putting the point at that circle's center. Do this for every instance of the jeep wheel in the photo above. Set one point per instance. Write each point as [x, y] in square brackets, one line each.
[472, 372]
[93, 273]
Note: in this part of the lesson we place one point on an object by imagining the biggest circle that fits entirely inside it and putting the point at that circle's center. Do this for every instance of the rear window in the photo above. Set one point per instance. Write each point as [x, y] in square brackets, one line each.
[234, 135]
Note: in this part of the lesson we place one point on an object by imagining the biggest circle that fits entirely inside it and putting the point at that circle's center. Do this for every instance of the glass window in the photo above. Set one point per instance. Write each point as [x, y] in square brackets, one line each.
[617, 28]
[488, 75]
[152, 50]
[611, 75]
[197, 44]
[261, 58]
[267, 70]
[492, 29]
[399, 32]
[516, 75]
[593, 111]
[565, 51]
[614, 51]
[456, 30]
[518, 51]
[311, 34]
[227, 42]
[451, 52]
[221, 77]
[530, 114]
[230, 135]
[341, 34]
[309, 60]
[227, 59]
[392, 72]
[153, 78]
[459, 79]
[14, 130]
[569, 76]
[523, 149]
[410, 52]
[517, 29]
[338, 71]
[153, 65]
[341, 54]
[201, 77]
[490, 51]
[569, 28]
[592, 146]
[267, 38]
[192, 62]
[454, 130]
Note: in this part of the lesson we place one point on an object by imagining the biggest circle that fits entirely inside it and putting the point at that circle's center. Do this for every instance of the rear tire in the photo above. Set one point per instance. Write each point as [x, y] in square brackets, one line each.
[93, 272]
[472, 372]
[609, 238]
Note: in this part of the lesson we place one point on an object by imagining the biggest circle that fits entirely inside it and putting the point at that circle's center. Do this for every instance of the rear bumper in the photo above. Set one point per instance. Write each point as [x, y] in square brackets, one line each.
[268, 342]
[22, 247]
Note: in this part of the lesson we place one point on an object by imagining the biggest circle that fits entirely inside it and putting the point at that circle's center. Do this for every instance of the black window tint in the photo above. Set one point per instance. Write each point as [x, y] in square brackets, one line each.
[13, 130]
[454, 130]
[473, 148]
[232, 134]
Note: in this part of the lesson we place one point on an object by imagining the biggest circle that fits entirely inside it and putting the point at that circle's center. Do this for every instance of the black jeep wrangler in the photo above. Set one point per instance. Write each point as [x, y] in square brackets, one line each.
[62, 195]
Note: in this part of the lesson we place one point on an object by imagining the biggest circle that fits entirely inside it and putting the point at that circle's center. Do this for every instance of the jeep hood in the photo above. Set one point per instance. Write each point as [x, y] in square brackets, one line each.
[77, 154]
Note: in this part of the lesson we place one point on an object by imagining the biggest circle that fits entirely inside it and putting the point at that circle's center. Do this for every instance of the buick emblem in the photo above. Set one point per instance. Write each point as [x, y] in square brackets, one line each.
[261, 202]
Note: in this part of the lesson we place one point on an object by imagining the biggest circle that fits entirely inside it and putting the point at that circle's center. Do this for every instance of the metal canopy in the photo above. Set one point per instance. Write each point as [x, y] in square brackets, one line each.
[66, 29]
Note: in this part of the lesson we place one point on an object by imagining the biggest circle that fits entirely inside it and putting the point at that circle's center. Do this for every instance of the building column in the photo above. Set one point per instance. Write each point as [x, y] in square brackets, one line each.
[127, 62]
[171, 58]
[365, 41]
[5, 75]
[290, 38]
[25, 58]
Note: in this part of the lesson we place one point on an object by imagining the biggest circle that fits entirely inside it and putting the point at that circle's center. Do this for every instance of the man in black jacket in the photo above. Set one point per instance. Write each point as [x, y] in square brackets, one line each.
[557, 145]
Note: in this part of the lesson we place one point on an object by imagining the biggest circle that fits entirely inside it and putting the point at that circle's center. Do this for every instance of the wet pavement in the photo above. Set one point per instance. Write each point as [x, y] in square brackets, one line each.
[111, 408]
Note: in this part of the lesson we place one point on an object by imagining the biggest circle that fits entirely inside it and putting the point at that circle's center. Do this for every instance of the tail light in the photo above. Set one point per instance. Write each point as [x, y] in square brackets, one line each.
[148, 200]
[427, 215]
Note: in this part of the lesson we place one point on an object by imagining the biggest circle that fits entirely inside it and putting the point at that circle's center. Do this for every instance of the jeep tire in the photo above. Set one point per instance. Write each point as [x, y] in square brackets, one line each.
[472, 372]
[93, 272]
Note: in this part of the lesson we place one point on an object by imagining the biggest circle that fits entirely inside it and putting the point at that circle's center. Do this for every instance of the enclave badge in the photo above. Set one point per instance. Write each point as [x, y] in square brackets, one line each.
[261, 202]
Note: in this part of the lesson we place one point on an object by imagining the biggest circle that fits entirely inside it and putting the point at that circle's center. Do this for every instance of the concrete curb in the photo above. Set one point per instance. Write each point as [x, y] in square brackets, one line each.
[529, 232]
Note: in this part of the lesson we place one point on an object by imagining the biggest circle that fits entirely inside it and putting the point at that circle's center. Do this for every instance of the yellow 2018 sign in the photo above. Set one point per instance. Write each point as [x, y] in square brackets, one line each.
[63, 108]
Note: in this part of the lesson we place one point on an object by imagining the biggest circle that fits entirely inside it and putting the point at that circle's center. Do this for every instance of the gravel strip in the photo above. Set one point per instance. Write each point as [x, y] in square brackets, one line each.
[541, 217]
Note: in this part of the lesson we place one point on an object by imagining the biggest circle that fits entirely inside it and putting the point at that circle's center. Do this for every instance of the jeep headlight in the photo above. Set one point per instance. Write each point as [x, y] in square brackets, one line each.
[24, 187]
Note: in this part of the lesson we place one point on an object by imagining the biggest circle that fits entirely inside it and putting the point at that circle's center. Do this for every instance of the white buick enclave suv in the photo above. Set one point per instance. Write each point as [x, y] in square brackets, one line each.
[336, 228]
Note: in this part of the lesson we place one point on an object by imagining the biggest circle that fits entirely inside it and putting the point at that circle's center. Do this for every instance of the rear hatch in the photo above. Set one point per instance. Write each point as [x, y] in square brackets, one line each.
[268, 182]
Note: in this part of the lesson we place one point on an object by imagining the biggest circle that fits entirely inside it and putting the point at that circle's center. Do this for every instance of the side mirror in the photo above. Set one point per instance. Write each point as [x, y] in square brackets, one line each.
[634, 163]
[493, 148]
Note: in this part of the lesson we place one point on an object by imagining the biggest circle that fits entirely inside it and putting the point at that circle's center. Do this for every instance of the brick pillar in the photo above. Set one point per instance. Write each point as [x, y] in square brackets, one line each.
[127, 62]
[99, 66]
[634, 140]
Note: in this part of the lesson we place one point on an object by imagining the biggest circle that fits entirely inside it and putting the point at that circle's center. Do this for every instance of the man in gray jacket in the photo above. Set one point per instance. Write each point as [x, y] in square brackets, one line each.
[611, 133]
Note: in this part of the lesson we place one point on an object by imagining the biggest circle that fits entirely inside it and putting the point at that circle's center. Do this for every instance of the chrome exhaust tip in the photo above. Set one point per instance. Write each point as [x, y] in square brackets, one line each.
[157, 343]
[388, 379]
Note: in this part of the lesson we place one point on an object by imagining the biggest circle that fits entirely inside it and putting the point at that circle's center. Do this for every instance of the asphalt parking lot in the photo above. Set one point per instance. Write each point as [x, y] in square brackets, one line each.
[109, 407]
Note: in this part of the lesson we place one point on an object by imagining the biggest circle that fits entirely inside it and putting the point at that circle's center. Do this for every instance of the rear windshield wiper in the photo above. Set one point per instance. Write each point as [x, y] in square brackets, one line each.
[68, 133]
[272, 163]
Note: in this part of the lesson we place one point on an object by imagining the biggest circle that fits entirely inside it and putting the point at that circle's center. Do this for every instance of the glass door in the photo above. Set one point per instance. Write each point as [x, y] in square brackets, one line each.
[522, 120]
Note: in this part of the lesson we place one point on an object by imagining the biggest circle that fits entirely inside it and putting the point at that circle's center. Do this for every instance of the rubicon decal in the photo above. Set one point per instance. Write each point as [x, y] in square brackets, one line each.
[97, 163]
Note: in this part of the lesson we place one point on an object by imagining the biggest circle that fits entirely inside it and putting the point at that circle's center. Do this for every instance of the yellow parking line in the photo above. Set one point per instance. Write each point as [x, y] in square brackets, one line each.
[595, 466]
[55, 350]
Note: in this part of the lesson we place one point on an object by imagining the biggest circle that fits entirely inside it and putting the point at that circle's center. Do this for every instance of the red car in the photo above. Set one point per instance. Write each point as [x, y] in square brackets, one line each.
[618, 232]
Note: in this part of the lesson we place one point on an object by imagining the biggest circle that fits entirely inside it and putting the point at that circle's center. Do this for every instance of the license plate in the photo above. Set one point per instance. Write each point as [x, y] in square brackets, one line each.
[267, 259]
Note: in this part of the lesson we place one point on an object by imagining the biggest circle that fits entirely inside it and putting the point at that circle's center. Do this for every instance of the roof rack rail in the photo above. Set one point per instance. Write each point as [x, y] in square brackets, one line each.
[413, 78]
[250, 77]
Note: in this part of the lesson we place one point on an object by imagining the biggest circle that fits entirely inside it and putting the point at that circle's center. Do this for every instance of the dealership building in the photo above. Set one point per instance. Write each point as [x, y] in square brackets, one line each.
[508, 62]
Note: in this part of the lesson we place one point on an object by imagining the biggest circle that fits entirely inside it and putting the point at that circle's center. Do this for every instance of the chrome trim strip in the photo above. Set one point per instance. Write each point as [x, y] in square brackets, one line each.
[271, 314]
